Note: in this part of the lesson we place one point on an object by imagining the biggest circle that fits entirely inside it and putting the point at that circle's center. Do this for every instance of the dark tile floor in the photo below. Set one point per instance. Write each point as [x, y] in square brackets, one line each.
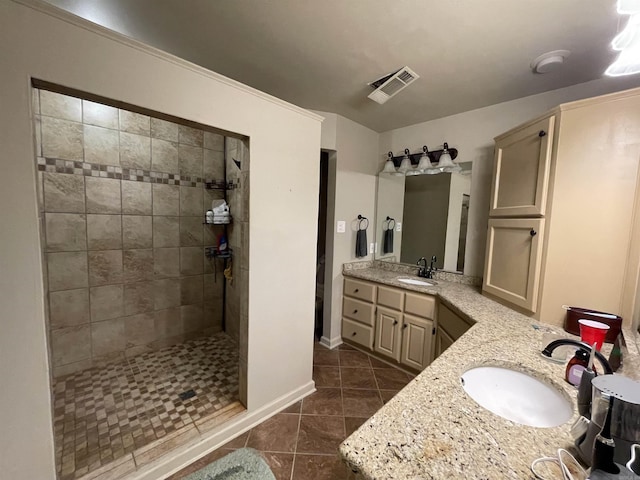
[102, 414]
[301, 442]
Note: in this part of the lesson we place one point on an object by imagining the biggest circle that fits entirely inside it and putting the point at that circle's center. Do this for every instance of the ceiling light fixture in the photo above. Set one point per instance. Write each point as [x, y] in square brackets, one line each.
[549, 61]
[428, 163]
[627, 42]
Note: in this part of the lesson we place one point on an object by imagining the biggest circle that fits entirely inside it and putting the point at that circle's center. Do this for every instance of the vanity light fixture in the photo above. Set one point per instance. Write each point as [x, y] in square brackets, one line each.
[405, 164]
[427, 163]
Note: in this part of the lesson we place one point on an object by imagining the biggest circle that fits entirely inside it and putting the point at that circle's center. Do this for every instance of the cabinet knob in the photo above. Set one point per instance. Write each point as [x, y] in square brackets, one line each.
[355, 311]
[354, 334]
[404, 326]
[395, 322]
[355, 291]
[533, 233]
[542, 133]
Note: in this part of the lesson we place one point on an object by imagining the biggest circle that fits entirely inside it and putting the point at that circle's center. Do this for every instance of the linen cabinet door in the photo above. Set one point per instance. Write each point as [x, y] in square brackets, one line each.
[388, 333]
[513, 260]
[521, 171]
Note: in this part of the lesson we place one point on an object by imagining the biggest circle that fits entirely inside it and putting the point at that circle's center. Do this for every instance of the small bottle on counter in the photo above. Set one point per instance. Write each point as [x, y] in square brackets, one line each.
[576, 366]
[209, 216]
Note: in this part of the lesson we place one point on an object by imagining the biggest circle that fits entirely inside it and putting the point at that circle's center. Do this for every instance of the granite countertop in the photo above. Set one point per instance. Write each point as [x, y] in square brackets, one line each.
[433, 430]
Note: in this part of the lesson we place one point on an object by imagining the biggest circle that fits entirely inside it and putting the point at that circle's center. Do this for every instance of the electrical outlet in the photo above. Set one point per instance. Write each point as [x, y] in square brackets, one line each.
[341, 227]
[371, 247]
[398, 226]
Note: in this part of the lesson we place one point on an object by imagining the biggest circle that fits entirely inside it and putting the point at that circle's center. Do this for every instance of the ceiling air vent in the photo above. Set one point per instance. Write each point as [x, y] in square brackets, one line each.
[389, 85]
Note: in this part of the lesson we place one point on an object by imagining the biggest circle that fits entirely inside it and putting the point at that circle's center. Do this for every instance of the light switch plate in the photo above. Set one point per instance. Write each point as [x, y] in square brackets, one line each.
[341, 227]
[372, 247]
[398, 226]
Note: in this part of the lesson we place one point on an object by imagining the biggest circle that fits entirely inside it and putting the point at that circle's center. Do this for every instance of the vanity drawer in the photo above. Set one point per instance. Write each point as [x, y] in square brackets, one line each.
[451, 323]
[357, 310]
[420, 305]
[390, 297]
[361, 290]
[357, 333]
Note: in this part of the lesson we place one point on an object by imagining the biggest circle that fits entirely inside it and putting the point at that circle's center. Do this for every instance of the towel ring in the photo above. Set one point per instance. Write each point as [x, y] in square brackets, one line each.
[389, 220]
[361, 220]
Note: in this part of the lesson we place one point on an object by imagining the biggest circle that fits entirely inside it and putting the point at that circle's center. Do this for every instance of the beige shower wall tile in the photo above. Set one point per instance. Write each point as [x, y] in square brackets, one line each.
[190, 136]
[68, 308]
[100, 115]
[106, 302]
[192, 318]
[61, 139]
[138, 265]
[67, 270]
[214, 141]
[190, 159]
[191, 201]
[167, 322]
[69, 368]
[164, 130]
[213, 287]
[139, 329]
[138, 298]
[35, 100]
[191, 260]
[107, 337]
[137, 231]
[63, 193]
[37, 132]
[60, 106]
[105, 267]
[164, 156]
[103, 195]
[101, 145]
[70, 344]
[135, 151]
[190, 231]
[66, 232]
[166, 199]
[166, 232]
[209, 233]
[166, 293]
[166, 262]
[104, 232]
[134, 123]
[213, 165]
[191, 290]
[136, 198]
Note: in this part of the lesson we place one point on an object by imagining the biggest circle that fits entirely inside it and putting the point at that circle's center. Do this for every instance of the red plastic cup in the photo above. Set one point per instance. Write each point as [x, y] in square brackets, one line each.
[593, 332]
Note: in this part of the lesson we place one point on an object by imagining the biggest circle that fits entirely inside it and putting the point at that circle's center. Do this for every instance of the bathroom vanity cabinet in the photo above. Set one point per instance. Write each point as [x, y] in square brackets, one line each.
[451, 327]
[562, 209]
[392, 322]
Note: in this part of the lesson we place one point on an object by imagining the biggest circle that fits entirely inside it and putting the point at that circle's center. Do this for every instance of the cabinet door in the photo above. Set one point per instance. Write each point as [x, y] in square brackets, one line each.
[388, 332]
[513, 261]
[521, 171]
[417, 335]
[443, 341]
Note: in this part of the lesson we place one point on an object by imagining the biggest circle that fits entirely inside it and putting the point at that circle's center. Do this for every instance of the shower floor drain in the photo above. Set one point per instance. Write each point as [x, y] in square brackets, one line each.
[187, 395]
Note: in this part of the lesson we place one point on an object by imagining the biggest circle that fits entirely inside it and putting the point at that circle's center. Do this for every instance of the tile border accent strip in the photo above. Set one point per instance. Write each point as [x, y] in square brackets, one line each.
[56, 165]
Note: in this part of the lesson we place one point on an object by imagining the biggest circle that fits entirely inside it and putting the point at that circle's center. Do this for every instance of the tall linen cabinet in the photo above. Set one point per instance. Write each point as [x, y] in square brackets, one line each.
[563, 199]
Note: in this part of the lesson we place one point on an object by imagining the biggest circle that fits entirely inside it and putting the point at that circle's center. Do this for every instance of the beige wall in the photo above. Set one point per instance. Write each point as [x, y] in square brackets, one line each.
[472, 134]
[352, 171]
[41, 46]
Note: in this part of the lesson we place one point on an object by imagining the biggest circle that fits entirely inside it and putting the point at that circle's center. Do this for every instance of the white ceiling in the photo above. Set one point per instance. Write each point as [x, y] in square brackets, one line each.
[320, 54]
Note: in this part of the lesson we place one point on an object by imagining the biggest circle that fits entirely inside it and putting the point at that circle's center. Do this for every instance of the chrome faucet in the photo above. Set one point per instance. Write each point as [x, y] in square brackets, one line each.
[424, 271]
[548, 350]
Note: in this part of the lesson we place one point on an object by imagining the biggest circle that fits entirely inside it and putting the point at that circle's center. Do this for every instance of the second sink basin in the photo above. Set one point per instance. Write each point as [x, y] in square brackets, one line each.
[517, 396]
[414, 281]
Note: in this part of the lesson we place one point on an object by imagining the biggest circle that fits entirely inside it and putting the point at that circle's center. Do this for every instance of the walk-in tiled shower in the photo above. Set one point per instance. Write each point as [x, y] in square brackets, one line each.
[144, 326]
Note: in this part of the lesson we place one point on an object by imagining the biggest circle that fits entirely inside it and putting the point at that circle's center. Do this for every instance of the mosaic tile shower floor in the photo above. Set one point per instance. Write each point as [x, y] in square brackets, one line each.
[102, 414]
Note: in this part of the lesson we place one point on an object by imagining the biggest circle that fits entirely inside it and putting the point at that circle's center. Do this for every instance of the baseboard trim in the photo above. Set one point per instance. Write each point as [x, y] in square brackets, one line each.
[330, 343]
[213, 439]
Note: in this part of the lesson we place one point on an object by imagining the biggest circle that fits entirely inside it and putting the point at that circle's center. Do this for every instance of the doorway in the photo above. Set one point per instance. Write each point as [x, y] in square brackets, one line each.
[321, 243]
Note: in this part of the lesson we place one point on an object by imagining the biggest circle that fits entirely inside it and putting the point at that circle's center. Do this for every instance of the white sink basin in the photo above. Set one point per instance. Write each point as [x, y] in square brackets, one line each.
[413, 281]
[517, 396]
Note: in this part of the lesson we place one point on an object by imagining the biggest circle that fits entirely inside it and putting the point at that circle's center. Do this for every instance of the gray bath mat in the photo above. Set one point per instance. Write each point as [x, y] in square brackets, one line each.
[243, 464]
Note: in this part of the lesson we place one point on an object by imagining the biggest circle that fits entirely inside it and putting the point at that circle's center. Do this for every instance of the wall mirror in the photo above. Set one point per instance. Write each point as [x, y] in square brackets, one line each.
[424, 215]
